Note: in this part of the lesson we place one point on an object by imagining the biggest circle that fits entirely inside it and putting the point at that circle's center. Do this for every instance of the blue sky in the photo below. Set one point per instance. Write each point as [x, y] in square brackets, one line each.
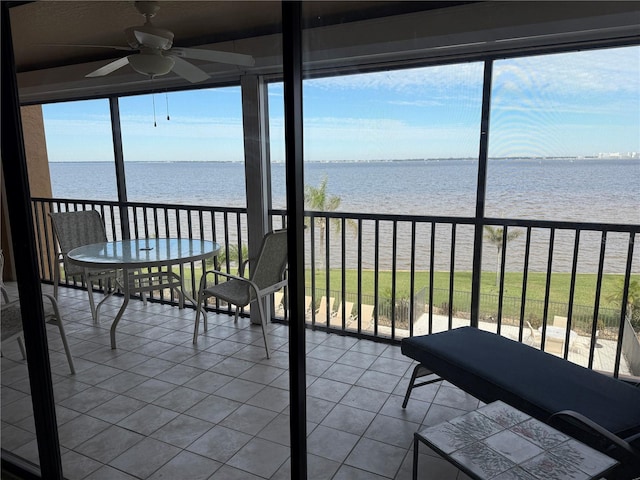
[574, 104]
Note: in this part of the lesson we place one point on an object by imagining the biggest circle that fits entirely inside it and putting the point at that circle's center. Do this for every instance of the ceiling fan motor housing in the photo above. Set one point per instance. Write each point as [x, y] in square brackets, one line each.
[149, 36]
[151, 64]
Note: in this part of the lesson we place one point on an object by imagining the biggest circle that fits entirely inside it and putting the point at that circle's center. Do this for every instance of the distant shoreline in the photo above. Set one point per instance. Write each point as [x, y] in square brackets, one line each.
[406, 160]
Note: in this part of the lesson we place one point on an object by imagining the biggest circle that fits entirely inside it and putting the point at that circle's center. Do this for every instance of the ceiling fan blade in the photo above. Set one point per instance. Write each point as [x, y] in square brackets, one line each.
[109, 67]
[153, 41]
[214, 56]
[188, 71]
[116, 47]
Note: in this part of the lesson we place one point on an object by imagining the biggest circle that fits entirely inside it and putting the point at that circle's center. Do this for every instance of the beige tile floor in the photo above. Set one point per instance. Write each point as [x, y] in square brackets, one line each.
[159, 408]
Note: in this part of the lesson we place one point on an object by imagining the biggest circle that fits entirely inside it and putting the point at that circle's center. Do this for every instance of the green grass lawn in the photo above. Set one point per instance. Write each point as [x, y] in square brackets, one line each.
[559, 289]
[536, 283]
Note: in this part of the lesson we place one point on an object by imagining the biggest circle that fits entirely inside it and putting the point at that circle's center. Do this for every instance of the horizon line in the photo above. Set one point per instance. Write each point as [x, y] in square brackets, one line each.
[436, 159]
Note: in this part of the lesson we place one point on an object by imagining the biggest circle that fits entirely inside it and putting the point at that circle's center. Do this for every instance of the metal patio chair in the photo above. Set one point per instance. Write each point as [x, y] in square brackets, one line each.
[12, 327]
[75, 229]
[266, 276]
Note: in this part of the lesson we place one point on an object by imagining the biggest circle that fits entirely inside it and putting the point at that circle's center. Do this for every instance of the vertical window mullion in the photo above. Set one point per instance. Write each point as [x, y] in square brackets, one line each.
[481, 193]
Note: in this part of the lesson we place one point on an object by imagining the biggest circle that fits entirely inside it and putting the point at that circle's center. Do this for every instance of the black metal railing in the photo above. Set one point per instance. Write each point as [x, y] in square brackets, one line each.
[389, 261]
[413, 274]
[226, 226]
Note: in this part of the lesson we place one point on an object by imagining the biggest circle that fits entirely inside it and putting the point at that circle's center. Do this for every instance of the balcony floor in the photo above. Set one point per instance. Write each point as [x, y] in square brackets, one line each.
[159, 407]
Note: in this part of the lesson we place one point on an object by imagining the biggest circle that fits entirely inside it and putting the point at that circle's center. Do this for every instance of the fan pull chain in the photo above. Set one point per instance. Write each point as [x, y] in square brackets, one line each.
[153, 99]
[167, 98]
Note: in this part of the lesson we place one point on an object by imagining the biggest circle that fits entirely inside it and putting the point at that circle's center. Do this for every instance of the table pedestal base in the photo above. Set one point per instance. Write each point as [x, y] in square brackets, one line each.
[141, 282]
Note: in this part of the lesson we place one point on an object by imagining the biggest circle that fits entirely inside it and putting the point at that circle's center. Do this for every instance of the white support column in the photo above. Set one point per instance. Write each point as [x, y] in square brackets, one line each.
[255, 120]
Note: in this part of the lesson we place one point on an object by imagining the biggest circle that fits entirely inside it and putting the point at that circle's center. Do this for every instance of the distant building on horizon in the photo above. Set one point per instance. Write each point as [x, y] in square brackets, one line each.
[619, 155]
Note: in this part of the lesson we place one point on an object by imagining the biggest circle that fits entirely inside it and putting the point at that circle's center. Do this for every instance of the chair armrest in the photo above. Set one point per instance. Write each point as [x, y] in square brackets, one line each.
[203, 280]
[585, 424]
[243, 265]
[258, 293]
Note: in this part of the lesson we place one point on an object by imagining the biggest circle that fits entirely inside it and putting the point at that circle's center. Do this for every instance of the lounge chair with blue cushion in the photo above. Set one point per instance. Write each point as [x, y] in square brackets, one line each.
[597, 409]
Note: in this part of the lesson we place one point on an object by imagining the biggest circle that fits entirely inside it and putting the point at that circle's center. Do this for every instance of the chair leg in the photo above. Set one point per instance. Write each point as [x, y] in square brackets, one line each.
[56, 280]
[197, 323]
[92, 303]
[180, 290]
[418, 371]
[262, 324]
[5, 294]
[199, 310]
[58, 317]
[21, 346]
[414, 375]
[180, 300]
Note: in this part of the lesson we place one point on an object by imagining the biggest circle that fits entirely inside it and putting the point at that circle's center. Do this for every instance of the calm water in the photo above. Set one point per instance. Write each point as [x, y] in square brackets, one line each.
[605, 191]
[581, 190]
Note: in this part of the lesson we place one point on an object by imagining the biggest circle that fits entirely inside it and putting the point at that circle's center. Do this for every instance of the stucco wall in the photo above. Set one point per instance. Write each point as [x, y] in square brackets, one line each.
[38, 169]
[36, 150]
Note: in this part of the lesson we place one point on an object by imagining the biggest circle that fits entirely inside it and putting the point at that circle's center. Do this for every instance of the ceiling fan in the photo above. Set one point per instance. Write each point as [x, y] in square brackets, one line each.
[156, 54]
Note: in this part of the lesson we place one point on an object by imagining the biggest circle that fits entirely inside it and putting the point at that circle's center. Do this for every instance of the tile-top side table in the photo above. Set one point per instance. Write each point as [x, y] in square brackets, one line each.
[499, 442]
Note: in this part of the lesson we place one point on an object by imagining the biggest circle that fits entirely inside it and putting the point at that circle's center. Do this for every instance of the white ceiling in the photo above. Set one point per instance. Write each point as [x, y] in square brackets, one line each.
[356, 33]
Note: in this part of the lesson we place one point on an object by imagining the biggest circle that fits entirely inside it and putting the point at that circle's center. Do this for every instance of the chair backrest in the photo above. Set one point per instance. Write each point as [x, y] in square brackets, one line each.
[366, 313]
[307, 303]
[348, 307]
[322, 307]
[75, 229]
[268, 269]
[322, 304]
[559, 321]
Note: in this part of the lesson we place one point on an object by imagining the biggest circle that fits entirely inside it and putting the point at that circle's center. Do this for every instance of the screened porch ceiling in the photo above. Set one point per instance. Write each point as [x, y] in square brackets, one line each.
[338, 34]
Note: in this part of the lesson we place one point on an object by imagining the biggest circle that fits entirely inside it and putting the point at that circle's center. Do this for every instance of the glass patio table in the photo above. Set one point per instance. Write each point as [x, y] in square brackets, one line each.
[155, 255]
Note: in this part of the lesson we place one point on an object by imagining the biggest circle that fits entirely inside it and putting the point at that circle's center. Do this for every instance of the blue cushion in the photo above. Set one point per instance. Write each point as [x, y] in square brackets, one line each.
[491, 367]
